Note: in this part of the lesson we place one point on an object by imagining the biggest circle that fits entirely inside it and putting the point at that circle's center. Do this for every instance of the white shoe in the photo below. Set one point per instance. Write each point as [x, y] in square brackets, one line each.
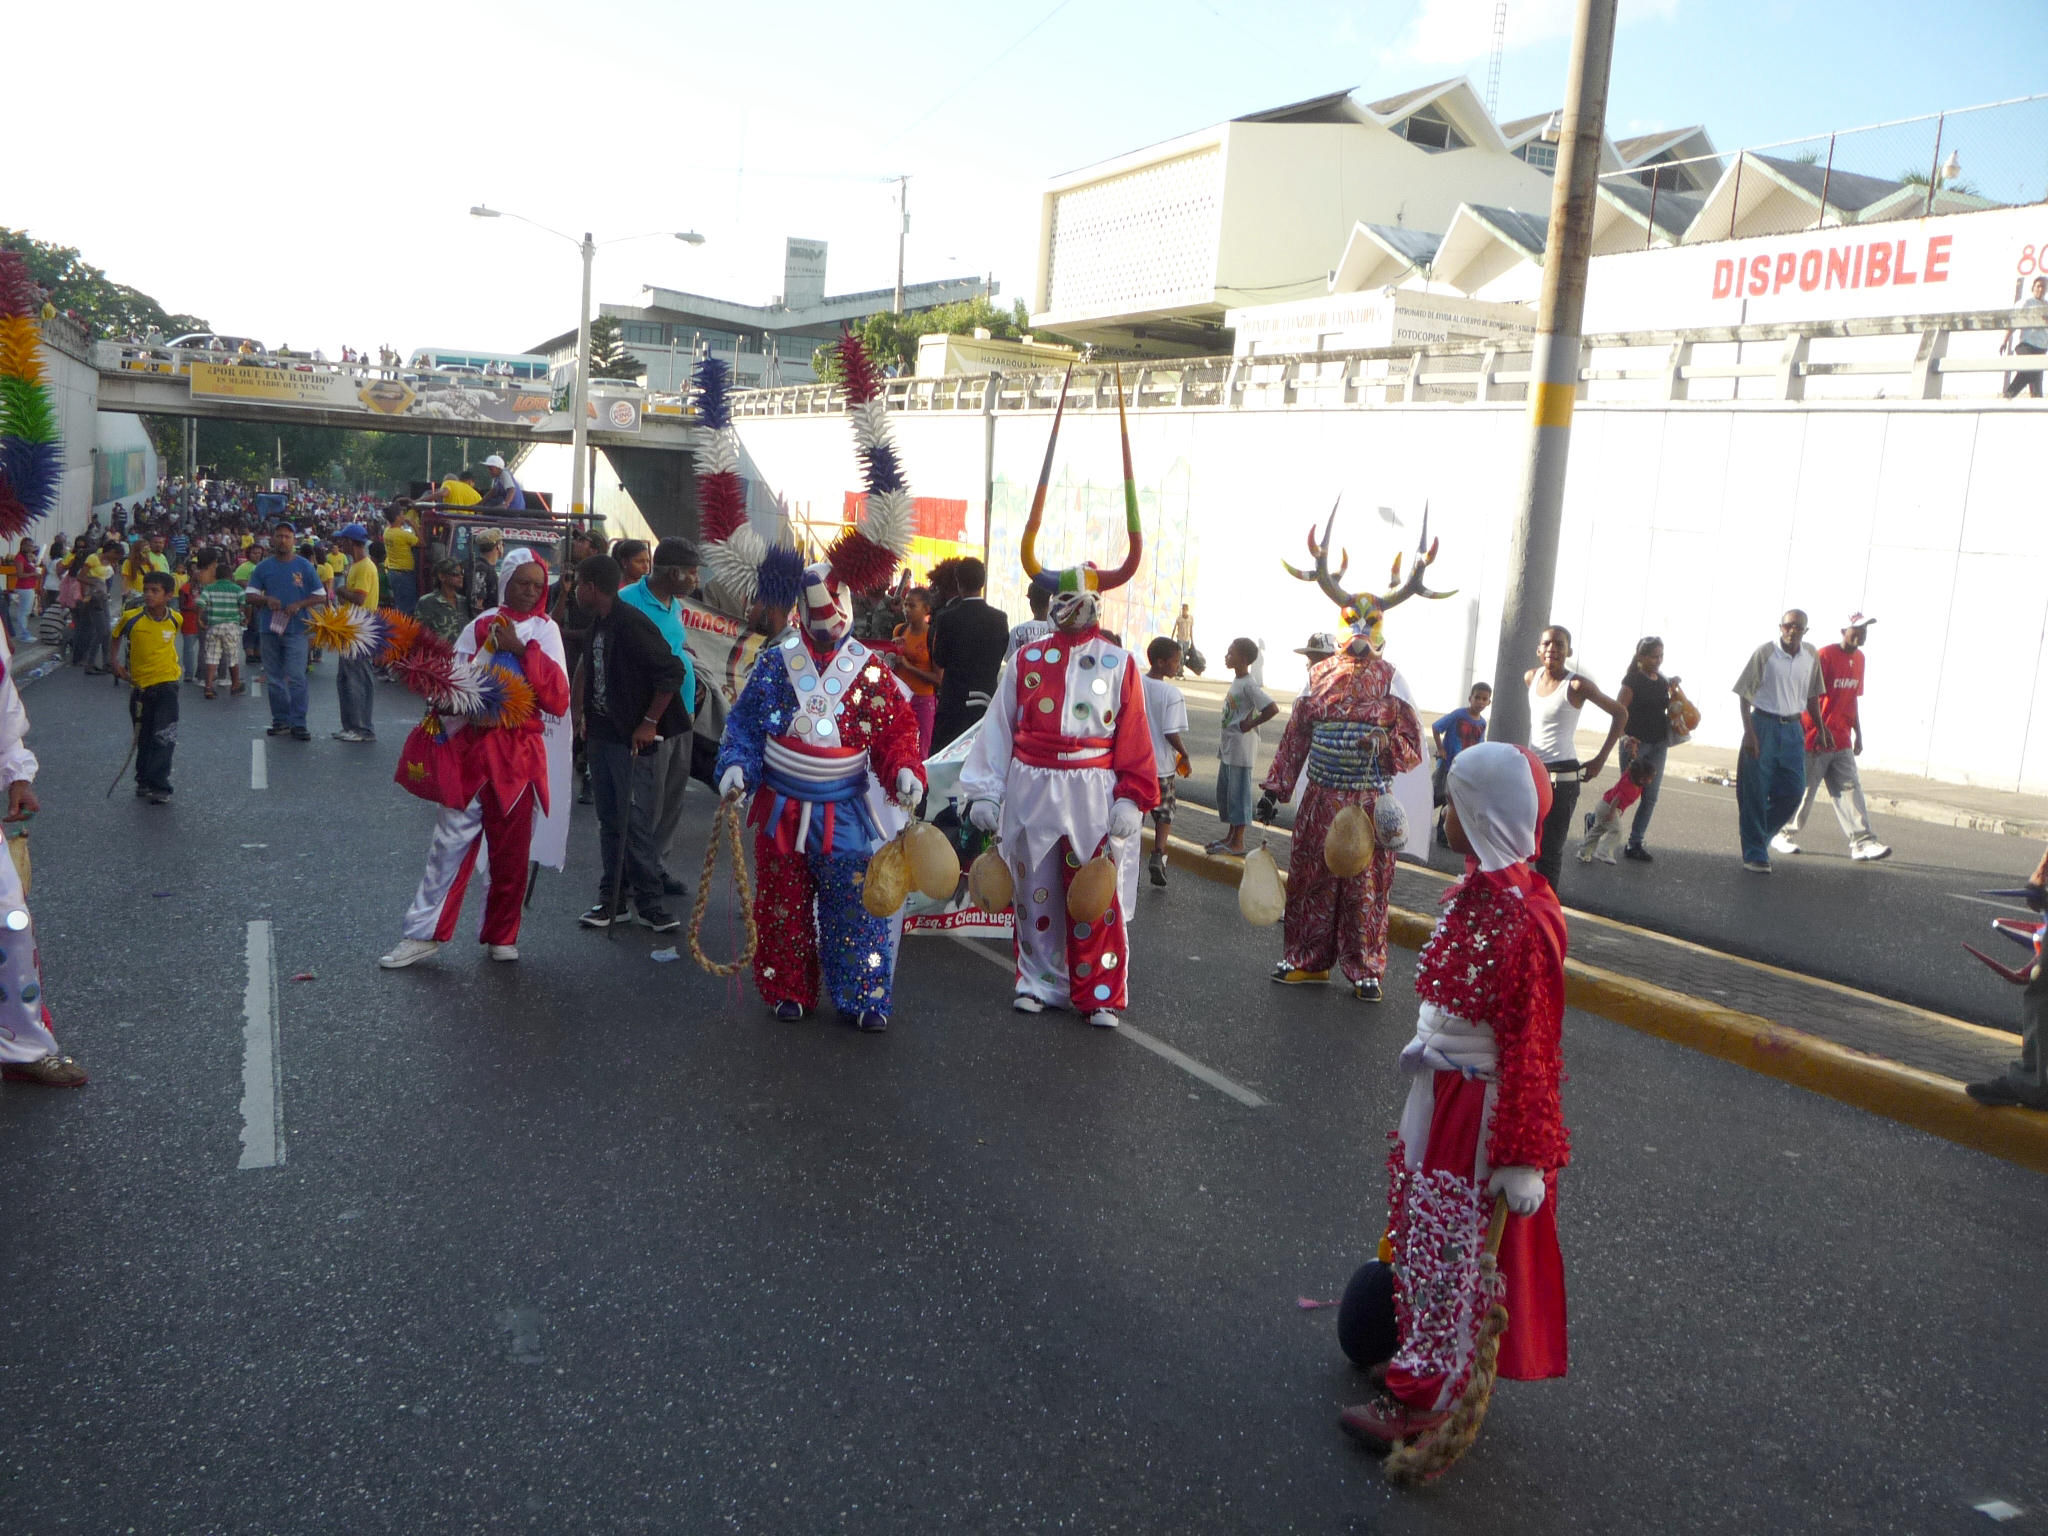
[1024, 1002]
[1607, 856]
[409, 952]
[504, 951]
[1102, 1018]
[1872, 849]
[1780, 843]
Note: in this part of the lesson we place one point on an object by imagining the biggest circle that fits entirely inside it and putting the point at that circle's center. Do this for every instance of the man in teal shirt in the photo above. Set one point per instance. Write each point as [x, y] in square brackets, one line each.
[659, 594]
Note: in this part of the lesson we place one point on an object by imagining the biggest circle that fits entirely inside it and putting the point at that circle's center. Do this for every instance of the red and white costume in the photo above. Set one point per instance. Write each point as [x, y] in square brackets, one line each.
[1349, 734]
[510, 766]
[24, 1014]
[1483, 1108]
[1064, 739]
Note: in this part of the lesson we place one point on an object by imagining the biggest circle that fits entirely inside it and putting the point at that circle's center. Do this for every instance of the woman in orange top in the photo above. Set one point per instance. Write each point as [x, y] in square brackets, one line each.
[914, 664]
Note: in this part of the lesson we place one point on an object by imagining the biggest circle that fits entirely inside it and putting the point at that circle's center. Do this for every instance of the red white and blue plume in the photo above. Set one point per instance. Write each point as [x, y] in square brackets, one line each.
[866, 555]
[733, 551]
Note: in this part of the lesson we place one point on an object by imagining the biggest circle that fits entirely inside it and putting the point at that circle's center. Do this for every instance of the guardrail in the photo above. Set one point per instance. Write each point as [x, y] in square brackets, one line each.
[1916, 357]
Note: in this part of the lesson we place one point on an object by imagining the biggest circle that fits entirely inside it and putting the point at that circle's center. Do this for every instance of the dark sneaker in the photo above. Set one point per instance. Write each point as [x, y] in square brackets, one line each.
[2001, 1092]
[1637, 852]
[48, 1071]
[789, 1012]
[159, 797]
[1368, 990]
[603, 915]
[671, 886]
[872, 1022]
[277, 730]
[300, 733]
[1157, 869]
[660, 919]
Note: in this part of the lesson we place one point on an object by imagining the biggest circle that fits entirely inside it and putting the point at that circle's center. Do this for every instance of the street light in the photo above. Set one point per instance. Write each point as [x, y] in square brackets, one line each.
[579, 404]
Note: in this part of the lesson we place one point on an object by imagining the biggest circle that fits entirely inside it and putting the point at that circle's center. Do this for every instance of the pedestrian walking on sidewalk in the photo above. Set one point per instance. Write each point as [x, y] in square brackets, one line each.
[2025, 1081]
[355, 684]
[1841, 669]
[1166, 712]
[1780, 684]
[1557, 693]
[1645, 693]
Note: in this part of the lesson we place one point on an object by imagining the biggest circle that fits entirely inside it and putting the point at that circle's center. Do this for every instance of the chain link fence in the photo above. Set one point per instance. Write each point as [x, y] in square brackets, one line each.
[1989, 156]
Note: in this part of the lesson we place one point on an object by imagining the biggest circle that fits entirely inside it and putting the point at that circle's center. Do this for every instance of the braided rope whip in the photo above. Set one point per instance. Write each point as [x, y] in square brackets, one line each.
[728, 820]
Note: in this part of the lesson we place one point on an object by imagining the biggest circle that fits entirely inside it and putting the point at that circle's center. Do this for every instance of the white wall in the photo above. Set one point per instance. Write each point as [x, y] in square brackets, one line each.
[75, 387]
[1699, 523]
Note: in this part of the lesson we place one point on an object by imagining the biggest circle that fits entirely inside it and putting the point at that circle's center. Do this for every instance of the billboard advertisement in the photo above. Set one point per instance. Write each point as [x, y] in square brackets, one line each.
[487, 403]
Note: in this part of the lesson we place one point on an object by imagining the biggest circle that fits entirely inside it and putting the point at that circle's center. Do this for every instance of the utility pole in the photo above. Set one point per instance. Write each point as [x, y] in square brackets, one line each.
[579, 403]
[903, 200]
[1554, 369]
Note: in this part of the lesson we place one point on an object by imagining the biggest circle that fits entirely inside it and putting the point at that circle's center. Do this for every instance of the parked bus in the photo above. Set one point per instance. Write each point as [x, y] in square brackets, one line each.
[524, 367]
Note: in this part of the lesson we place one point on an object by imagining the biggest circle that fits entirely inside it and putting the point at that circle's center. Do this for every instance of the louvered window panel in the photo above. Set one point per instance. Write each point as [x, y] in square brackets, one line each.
[1137, 240]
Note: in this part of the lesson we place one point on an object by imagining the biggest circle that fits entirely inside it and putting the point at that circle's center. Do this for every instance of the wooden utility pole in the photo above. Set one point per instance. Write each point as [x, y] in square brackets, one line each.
[1554, 369]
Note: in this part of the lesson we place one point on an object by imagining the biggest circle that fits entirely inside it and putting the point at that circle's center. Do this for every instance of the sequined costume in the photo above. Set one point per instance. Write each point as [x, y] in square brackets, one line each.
[1065, 737]
[1485, 1064]
[815, 728]
[1352, 734]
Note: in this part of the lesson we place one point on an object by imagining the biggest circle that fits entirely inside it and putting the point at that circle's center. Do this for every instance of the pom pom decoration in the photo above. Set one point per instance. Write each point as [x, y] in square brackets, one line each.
[345, 629]
[31, 462]
[425, 670]
[516, 702]
[860, 564]
[780, 576]
[401, 633]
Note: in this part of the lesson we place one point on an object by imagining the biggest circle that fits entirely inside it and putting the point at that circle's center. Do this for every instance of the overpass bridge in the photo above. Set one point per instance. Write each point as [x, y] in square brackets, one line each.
[647, 436]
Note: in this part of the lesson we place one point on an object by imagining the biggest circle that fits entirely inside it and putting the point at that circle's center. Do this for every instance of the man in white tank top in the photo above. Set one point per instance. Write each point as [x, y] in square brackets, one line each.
[1557, 694]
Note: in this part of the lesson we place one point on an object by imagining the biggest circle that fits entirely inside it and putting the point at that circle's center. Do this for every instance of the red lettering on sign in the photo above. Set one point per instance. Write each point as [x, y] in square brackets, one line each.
[1787, 266]
[1901, 273]
[1838, 267]
[1759, 274]
[1856, 277]
[1809, 271]
[1724, 278]
[1878, 270]
[1936, 270]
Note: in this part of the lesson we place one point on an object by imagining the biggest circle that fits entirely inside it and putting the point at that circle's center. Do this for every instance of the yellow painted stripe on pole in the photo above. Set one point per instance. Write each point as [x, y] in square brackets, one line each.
[1550, 405]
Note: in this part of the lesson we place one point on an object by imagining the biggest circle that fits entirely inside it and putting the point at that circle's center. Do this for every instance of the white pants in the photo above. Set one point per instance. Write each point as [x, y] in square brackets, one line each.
[1845, 787]
[24, 1021]
[1062, 963]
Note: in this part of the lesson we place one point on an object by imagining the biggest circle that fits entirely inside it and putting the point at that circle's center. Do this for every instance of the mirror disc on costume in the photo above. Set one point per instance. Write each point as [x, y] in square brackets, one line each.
[1051, 654]
[1032, 679]
[803, 725]
[1098, 686]
[807, 682]
[1087, 661]
[824, 727]
[1045, 706]
[1034, 655]
[831, 685]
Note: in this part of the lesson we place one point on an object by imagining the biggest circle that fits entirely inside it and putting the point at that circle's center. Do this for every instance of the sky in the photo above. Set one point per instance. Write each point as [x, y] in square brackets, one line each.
[302, 173]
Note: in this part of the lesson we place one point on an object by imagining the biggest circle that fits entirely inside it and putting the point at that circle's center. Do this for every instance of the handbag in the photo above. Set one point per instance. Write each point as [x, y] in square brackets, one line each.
[431, 766]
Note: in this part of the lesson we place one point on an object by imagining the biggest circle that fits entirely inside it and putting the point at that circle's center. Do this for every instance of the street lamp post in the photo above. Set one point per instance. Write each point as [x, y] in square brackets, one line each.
[579, 400]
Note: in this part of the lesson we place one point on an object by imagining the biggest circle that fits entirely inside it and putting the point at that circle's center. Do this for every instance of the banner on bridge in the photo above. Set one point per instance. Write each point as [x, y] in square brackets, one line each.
[330, 389]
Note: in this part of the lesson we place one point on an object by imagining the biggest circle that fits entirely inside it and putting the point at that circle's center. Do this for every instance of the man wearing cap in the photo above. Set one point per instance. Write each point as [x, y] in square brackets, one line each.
[1322, 645]
[661, 777]
[504, 494]
[284, 586]
[1841, 673]
[354, 683]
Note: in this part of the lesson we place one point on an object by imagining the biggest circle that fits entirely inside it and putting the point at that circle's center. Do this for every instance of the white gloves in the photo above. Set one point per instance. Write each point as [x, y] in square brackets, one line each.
[1125, 819]
[1522, 1186]
[1390, 825]
[733, 781]
[909, 789]
[985, 814]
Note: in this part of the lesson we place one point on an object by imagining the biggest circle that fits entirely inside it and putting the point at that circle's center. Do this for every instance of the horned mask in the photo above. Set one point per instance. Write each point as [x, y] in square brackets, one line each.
[1363, 612]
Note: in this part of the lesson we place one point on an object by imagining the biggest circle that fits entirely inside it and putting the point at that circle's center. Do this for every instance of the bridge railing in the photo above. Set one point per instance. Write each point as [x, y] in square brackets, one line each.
[1919, 357]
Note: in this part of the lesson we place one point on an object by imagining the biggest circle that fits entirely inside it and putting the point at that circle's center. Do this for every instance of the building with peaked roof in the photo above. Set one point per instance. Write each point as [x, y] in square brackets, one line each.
[1145, 253]
[767, 343]
[1767, 195]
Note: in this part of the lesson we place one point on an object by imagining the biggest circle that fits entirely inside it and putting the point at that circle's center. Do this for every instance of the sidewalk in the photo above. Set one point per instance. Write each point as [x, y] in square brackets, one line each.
[1889, 1058]
[1973, 806]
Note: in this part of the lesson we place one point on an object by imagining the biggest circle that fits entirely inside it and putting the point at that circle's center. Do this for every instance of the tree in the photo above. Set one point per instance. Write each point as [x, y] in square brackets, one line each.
[1919, 179]
[609, 357]
[891, 339]
[107, 307]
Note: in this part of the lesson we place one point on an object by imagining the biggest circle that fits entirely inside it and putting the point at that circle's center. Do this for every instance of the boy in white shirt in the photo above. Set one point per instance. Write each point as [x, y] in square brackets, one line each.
[1167, 713]
[1246, 707]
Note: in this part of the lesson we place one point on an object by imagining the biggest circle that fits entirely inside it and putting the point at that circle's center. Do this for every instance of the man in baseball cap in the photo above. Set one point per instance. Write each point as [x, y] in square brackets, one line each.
[504, 494]
[1841, 673]
[354, 683]
[1322, 645]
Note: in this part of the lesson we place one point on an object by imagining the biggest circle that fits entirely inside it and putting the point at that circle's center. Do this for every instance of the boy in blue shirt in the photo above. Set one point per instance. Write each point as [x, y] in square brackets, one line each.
[1453, 733]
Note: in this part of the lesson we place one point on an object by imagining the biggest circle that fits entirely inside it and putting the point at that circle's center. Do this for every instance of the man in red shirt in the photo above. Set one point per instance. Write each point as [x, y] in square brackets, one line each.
[1841, 671]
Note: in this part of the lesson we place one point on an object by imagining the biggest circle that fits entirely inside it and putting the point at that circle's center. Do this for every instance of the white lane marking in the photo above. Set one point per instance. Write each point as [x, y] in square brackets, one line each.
[262, 1098]
[259, 766]
[1137, 1036]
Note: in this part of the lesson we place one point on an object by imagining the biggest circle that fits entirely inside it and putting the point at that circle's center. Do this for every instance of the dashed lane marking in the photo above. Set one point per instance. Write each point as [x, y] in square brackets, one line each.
[259, 765]
[262, 1095]
[1195, 1069]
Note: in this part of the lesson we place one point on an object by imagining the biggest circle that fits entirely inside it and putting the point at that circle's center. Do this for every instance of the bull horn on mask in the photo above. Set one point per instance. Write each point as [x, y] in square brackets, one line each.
[1086, 577]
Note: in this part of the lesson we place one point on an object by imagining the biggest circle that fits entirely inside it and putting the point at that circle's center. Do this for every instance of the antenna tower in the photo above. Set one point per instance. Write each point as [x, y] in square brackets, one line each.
[1500, 37]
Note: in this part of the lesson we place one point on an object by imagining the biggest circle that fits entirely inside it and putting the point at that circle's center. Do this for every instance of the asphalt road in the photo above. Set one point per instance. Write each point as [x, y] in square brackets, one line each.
[1895, 927]
[590, 1243]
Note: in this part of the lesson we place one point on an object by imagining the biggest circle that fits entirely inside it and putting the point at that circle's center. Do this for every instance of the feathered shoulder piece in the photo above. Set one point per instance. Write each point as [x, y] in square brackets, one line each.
[31, 452]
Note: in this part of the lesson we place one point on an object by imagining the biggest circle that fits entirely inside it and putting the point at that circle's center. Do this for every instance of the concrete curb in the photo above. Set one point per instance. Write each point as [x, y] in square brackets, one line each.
[1923, 1100]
